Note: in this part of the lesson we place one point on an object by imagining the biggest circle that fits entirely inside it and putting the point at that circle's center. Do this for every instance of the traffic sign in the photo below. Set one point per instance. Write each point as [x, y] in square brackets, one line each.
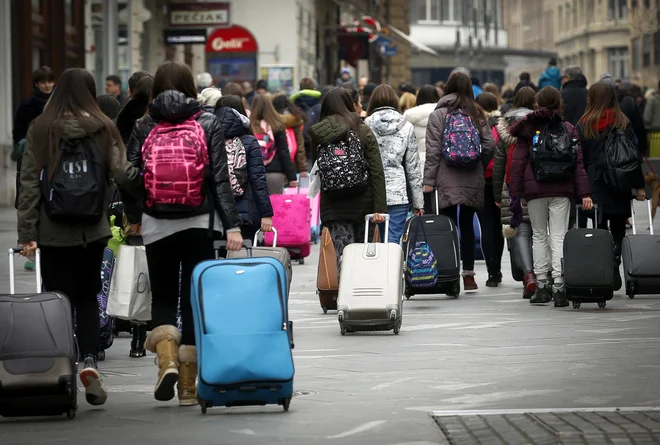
[386, 46]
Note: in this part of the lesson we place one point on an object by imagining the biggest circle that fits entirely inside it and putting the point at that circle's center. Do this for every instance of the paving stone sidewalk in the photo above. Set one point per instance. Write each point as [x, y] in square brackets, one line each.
[620, 427]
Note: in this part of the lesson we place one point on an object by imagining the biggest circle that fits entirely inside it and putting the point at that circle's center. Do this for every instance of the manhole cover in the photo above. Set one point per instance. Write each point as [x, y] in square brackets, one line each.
[303, 393]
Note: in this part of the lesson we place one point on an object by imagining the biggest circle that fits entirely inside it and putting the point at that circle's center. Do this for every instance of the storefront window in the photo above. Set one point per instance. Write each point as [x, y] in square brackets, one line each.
[233, 70]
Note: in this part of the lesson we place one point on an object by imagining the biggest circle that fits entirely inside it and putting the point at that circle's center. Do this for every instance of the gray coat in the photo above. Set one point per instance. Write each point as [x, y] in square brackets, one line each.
[455, 185]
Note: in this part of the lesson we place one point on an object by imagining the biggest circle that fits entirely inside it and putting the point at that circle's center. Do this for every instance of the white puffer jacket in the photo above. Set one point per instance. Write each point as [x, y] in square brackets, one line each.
[419, 117]
[400, 156]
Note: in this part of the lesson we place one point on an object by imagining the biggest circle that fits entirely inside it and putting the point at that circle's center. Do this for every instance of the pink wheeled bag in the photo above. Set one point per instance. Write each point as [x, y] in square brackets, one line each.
[292, 217]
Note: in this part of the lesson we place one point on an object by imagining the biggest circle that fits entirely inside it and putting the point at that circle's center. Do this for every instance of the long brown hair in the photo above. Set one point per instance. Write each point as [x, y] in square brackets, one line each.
[174, 76]
[601, 98]
[461, 85]
[263, 109]
[74, 98]
[382, 96]
[337, 102]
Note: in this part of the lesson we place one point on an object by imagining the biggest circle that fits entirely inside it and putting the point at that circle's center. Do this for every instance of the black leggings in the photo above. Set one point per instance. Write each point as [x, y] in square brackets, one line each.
[76, 272]
[468, 241]
[492, 240]
[187, 248]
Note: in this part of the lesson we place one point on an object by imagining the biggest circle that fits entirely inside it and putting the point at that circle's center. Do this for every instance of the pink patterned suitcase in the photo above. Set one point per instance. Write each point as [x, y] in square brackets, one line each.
[292, 217]
[315, 205]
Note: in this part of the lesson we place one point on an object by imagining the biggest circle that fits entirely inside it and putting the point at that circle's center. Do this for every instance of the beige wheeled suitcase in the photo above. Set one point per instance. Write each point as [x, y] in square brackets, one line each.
[371, 285]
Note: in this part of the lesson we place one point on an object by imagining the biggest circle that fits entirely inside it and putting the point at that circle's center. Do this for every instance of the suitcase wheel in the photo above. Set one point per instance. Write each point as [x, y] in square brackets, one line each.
[325, 309]
[204, 404]
[71, 413]
[455, 290]
[301, 261]
[101, 356]
[602, 304]
[342, 330]
[285, 403]
[577, 304]
[630, 290]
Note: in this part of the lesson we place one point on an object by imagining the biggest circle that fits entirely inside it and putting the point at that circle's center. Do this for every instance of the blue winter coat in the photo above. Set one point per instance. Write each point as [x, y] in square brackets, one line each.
[551, 77]
[255, 203]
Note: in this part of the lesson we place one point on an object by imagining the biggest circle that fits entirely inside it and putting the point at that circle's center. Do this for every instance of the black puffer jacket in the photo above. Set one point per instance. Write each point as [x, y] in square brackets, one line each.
[173, 106]
[255, 203]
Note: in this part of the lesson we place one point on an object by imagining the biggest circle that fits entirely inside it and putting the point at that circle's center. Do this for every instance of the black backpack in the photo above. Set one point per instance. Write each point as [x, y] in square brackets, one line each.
[343, 167]
[623, 164]
[77, 191]
[554, 154]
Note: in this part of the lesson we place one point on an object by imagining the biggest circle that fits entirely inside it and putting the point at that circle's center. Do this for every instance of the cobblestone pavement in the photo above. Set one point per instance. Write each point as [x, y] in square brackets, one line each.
[565, 427]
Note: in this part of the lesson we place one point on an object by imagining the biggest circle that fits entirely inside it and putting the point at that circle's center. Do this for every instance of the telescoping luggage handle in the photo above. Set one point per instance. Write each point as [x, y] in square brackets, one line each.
[648, 207]
[366, 226]
[256, 237]
[577, 215]
[12, 271]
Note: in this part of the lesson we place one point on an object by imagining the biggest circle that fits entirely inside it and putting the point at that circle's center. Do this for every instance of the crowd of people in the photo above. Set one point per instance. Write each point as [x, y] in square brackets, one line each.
[454, 148]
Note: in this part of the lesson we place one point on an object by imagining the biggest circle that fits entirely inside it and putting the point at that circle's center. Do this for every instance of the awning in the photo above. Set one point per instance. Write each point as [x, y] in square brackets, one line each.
[407, 38]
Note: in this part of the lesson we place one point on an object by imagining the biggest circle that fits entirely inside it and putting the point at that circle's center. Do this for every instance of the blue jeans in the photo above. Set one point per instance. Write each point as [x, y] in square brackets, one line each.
[398, 216]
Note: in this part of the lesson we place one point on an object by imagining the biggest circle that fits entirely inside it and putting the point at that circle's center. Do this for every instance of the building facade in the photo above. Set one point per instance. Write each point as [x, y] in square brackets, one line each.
[466, 33]
[346, 38]
[645, 42]
[595, 35]
[530, 27]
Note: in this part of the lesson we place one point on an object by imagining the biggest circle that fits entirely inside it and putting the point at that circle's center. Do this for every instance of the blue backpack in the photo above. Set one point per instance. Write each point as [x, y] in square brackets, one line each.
[421, 267]
[461, 142]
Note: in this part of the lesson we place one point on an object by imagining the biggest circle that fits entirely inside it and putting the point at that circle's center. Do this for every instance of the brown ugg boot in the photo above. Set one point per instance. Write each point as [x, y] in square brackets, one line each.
[187, 375]
[164, 341]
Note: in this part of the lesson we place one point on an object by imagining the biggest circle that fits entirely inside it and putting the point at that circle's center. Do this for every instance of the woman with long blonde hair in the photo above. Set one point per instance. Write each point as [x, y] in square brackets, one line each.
[406, 102]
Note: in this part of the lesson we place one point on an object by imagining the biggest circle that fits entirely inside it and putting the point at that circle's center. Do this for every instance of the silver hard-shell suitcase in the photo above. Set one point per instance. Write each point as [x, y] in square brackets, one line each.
[641, 259]
[371, 285]
[38, 351]
[256, 251]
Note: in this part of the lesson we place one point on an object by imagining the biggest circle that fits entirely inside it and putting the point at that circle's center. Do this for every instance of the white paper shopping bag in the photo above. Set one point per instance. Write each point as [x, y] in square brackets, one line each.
[130, 289]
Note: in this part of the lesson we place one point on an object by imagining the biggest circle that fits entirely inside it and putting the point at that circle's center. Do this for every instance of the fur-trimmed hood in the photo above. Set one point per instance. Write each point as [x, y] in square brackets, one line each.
[290, 121]
[534, 121]
[505, 122]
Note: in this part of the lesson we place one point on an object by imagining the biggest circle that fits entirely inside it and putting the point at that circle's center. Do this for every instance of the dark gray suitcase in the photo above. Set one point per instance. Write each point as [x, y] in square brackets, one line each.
[38, 352]
[442, 237]
[588, 265]
[641, 259]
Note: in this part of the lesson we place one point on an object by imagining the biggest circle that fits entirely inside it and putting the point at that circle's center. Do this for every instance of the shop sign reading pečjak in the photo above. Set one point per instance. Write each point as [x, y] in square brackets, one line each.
[205, 14]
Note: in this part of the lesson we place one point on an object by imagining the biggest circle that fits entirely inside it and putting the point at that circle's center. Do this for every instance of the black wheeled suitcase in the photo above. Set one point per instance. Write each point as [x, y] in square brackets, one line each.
[442, 238]
[641, 259]
[38, 352]
[588, 265]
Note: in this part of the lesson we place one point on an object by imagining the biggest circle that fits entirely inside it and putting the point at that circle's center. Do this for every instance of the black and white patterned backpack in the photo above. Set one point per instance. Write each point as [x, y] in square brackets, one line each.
[343, 167]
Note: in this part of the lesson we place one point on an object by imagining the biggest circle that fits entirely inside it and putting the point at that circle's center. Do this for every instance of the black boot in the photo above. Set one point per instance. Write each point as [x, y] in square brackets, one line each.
[494, 279]
[139, 337]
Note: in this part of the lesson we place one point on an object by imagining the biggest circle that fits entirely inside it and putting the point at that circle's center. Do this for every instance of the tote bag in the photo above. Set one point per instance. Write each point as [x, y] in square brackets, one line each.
[130, 289]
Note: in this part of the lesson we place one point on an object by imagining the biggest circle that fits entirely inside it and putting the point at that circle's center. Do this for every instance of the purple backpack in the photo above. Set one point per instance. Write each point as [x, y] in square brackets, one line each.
[461, 142]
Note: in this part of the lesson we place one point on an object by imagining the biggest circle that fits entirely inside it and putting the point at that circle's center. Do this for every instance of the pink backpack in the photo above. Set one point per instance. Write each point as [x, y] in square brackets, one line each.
[292, 142]
[174, 159]
[266, 142]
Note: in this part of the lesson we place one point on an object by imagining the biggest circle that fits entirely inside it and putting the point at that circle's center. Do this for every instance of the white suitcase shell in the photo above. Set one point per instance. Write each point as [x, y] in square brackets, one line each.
[371, 286]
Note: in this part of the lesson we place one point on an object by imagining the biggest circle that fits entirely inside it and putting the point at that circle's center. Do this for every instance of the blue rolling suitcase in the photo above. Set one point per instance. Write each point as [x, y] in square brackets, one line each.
[243, 333]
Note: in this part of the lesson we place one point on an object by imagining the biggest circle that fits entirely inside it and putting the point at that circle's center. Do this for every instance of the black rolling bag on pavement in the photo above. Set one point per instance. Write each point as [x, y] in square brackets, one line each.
[588, 265]
[641, 259]
[38, 352]
[442, 238]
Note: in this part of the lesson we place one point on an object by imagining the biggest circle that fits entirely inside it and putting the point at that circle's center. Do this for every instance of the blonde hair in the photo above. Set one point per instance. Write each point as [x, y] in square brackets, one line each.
[407, 101]
[209, 96]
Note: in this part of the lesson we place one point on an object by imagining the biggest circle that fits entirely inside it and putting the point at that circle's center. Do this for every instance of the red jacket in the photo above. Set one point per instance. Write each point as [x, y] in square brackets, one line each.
[523, 183]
